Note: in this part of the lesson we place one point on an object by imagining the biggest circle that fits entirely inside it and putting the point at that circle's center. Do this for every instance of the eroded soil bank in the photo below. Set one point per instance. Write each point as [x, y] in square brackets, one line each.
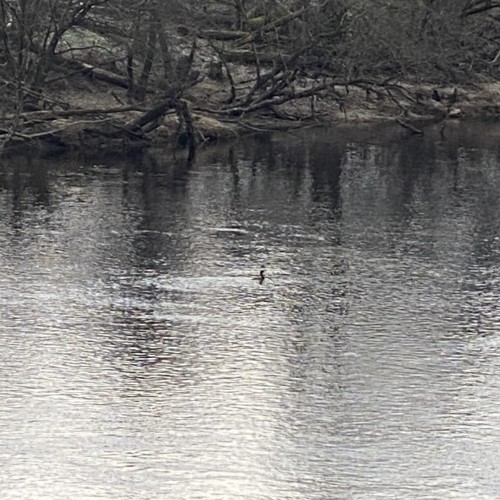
[359, 106]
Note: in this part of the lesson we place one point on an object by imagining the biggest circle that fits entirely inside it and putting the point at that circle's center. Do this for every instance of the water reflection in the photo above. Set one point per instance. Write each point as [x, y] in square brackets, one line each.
[139, 359]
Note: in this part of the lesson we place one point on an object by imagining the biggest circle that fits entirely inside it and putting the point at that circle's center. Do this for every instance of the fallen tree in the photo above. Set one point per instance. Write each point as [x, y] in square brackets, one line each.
[276, 59]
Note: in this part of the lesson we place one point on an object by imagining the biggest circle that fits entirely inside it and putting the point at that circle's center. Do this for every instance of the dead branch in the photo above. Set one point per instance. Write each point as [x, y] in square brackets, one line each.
[409, 127]
[67, 113]
[153, 114]
[222, 35]
[478, 7]
[194, 136]
[40, 135]
[272, 26]
[271, 76]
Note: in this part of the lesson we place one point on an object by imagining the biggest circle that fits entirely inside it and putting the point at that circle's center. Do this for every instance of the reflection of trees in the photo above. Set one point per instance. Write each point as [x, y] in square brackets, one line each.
[480, 285]
[434, 206]
[292, 169]
[29, 184]
[161, 204]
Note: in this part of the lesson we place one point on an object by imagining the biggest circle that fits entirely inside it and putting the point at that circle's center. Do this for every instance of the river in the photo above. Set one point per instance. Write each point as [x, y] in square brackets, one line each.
[140, 359]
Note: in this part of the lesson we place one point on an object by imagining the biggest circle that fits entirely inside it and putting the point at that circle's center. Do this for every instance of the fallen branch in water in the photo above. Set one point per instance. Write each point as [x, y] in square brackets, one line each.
[409, 127]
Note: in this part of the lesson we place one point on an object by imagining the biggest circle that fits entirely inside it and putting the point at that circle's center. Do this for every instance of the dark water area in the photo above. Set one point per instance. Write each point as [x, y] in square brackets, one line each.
[140, 359]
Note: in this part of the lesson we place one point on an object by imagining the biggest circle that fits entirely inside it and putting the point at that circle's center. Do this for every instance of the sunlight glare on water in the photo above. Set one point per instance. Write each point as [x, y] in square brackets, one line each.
[140, 359]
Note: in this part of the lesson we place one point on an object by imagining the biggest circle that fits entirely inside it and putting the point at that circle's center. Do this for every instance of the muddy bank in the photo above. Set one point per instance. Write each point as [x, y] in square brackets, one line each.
[99, 120]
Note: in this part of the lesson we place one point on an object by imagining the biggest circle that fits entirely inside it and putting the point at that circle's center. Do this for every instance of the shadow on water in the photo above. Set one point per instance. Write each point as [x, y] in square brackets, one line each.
[141, 358]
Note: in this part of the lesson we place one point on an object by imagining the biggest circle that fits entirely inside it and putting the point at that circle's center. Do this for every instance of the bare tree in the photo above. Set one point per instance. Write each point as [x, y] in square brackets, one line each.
[267, 53]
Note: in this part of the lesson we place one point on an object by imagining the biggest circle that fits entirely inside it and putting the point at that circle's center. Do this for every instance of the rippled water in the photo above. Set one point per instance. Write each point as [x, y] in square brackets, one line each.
[140, 360]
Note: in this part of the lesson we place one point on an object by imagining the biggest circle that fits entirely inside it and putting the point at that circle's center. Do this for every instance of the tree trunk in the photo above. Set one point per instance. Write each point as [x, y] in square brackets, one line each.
[149, 57]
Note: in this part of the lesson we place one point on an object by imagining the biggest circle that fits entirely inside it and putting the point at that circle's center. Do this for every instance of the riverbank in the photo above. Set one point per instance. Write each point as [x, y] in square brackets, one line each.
[94, 103]
[105, 77]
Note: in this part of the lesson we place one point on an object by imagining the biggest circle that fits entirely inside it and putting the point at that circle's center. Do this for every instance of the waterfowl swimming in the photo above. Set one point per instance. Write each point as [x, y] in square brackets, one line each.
[261, 276]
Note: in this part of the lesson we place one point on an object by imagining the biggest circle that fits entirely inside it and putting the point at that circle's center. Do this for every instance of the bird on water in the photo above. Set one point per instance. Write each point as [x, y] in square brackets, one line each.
[261, 277]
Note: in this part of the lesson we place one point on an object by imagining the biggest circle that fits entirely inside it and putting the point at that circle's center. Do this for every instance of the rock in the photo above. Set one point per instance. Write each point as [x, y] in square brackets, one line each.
[455, 113]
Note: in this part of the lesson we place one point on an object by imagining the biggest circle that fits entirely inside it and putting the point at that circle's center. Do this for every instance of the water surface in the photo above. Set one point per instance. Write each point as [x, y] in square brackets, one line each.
[140, 360]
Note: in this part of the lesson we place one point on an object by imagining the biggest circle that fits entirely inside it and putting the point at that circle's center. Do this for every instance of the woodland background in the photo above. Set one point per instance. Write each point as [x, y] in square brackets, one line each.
[97, 72]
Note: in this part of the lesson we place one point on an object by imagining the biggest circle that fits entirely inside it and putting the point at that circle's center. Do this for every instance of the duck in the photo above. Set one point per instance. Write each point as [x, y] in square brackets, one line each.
[261, 276]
